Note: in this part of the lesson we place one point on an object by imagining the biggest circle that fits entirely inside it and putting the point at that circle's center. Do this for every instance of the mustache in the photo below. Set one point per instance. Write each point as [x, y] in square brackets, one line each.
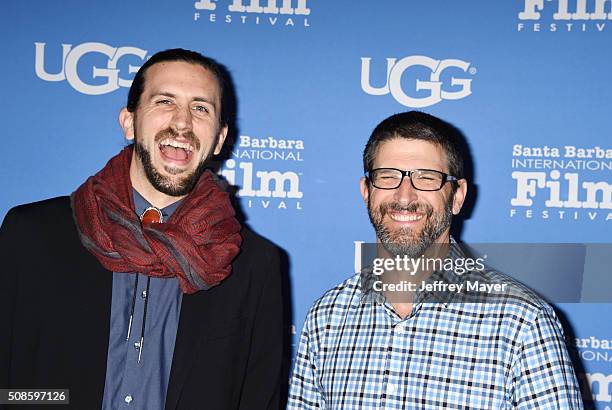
[412, 207]
[170, 133]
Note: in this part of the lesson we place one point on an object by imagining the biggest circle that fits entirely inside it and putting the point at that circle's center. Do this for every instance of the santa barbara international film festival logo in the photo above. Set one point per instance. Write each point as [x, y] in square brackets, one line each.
[267, 170]
[563, 16]
[594, 351]
[418, 81]
[91, 68]
[281, 13]
[564, 183]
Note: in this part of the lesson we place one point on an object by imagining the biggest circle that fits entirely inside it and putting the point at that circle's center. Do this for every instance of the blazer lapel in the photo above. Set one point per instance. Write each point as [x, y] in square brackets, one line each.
[187, 337]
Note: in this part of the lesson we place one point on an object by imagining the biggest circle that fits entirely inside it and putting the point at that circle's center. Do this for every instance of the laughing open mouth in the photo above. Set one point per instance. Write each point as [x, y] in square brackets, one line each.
[176, 151]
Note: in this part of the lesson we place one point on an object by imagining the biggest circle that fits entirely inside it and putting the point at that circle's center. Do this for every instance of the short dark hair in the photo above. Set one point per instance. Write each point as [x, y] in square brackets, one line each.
[187, 56]
[416, 125]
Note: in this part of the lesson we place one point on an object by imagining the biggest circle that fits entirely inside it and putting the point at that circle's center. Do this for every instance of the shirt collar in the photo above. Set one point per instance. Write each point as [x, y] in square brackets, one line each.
[141, 204]
[448, 276]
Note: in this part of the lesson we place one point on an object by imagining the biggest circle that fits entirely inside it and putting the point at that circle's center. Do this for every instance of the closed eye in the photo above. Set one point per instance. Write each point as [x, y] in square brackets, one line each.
[201, 108]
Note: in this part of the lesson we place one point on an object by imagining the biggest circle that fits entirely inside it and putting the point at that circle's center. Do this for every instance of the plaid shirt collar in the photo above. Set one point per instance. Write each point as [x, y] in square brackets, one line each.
[369, 295]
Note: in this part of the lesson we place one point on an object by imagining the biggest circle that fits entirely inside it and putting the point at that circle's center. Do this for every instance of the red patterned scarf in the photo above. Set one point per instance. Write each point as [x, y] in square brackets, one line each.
[197, 244]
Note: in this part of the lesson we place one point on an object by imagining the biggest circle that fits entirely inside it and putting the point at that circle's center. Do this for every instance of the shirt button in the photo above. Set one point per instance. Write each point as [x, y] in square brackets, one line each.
[144, 294]
[128, 399]
[136, 345]
[390, 388]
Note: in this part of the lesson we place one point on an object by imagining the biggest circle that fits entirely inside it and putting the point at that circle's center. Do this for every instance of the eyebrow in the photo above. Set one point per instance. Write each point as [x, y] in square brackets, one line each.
[205, 100]
[164, 94]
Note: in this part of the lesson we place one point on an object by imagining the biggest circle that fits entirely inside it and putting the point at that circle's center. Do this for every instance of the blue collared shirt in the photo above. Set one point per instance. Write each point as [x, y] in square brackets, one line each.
[144, 384]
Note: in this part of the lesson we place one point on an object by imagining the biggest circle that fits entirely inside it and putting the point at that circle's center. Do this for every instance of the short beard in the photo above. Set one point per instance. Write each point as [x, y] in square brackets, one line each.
[404, 240]
[165, 184]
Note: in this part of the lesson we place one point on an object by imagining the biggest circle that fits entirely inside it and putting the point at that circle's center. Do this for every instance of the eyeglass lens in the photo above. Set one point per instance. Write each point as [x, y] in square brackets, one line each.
[387, 178]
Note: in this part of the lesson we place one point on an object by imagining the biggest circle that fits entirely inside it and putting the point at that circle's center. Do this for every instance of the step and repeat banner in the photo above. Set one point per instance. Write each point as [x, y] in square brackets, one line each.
[526, 81]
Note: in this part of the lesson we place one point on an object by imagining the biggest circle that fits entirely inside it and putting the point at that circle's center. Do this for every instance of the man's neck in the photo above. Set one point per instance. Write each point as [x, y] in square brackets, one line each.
[402, 301]
[142, 185]
[156, 198]
[404, 306]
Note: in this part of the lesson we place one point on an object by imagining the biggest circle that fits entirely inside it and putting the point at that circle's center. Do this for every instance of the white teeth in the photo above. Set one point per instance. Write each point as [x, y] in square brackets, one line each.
[176, 144]
[405, 218]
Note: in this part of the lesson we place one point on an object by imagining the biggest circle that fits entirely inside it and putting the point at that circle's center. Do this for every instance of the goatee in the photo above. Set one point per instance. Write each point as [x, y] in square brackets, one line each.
[408, 241]
[164, 184]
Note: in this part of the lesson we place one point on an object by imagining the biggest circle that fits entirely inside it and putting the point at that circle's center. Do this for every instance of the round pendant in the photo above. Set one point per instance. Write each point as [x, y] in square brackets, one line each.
[151, 215]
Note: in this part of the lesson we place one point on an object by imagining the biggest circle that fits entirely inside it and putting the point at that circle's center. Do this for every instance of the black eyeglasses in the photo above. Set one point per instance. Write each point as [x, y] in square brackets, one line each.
[421, 179]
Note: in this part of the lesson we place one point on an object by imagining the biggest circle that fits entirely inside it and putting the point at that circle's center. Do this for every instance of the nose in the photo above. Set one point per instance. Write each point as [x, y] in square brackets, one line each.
[405, 193]
[181, 120]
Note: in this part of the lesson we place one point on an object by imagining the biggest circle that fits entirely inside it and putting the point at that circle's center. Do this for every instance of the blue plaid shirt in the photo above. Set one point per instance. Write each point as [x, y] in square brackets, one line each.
[357, 353]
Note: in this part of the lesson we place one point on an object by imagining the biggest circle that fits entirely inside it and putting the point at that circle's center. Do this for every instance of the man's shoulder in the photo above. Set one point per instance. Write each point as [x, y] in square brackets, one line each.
[47, 230]
[337, 300]
[254, 244]
[517, 292]
[511, 299]
[258, 258]
[40, 213]
[258, 253]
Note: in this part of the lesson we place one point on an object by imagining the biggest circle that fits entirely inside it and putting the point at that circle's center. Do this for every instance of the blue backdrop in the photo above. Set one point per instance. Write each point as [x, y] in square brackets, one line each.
[526, 81]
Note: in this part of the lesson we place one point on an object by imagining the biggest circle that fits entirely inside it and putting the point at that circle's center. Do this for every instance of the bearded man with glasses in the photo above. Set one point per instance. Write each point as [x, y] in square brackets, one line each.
[367, 347]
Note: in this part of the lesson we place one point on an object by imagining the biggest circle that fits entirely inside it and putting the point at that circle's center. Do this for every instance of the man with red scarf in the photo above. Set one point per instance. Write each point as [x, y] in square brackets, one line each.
[141, 289]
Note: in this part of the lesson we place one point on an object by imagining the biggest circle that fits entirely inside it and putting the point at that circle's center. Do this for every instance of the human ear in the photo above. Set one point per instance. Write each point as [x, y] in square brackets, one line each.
[126, 120]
